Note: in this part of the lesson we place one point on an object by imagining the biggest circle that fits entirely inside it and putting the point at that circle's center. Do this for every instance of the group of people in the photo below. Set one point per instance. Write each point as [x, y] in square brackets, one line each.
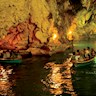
[9, 54]
[83, 55]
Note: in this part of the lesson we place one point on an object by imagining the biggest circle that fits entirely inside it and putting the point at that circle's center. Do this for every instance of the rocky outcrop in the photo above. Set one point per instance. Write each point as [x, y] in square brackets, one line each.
[85, 20]
[33, 24]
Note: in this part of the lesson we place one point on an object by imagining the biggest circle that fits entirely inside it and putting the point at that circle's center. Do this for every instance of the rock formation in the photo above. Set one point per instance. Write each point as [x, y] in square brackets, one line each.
[41, 26]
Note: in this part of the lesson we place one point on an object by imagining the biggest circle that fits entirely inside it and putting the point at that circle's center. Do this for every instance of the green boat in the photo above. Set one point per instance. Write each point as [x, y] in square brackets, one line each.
[85, 63]
[11, 61]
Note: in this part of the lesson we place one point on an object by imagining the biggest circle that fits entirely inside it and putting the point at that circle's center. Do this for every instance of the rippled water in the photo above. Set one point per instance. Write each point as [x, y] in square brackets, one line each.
[84, 82]
[32, 79]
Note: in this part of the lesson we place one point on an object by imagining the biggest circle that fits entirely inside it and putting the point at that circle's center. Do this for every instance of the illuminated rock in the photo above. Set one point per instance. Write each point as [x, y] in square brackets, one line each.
[26, 23]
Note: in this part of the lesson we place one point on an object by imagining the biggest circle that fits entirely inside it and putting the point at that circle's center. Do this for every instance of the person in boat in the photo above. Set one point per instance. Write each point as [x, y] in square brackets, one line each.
[1, 53]
[93, 53]
[18, 56]
[80, 56]
[78, 52]
[82, 53]
[12, 54]
[73, 57]
[6, 54]
[87, 53]
[15, 55]
[77, 56]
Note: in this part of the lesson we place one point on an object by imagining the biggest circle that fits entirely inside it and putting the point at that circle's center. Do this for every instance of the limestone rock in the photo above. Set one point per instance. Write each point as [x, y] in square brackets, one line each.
[32, 23]
[42, 36]
[40, 11]
[37, 51]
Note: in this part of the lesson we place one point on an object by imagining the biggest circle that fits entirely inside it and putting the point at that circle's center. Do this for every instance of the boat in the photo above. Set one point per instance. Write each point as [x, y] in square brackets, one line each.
[11, 61]
[85, 63]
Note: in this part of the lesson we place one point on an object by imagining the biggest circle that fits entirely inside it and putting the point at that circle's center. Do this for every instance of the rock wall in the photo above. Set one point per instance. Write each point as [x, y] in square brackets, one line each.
[85, 20]
[44, 24]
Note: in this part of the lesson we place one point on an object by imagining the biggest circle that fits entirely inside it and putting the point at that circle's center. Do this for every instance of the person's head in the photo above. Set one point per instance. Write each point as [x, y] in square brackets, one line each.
[78, 51]
[88, 48]
[84, 49]
[73, 53]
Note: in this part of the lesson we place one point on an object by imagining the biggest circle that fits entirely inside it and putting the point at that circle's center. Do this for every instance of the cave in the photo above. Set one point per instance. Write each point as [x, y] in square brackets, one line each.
[30, 25]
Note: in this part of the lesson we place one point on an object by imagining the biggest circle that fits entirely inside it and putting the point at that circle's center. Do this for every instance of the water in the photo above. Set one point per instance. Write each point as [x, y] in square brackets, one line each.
[84, 82]
[32, 79]
[84, 44]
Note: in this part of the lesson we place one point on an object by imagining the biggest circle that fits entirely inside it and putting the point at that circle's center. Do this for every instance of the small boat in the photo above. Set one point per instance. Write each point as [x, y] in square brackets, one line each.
[85, 63]
[11, 61]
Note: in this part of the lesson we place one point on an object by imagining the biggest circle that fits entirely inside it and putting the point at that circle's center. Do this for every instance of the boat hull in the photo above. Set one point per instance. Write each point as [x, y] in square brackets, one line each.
[86, 63]
[11, 61]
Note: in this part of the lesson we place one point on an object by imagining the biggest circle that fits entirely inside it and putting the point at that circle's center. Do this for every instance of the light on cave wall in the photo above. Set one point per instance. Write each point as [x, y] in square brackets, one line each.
[53, 31]
[54, 36]
[70, 35]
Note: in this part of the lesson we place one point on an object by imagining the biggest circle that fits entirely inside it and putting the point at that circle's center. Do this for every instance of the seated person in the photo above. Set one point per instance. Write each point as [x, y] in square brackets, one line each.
[77, 52]
[87, 54]
[93, 53]
[1, 53]
[80, 59]
[77, 56]
[6, 54]
[15, 55]
[82, 53]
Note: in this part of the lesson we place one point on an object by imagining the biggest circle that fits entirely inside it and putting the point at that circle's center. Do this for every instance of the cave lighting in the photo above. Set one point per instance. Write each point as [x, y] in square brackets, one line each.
[54, 36]
[69, 35]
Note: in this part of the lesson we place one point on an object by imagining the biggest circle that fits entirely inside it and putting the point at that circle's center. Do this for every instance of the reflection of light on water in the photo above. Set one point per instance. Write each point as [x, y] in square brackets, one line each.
[58, 81]
[5, 88]
[5, 85]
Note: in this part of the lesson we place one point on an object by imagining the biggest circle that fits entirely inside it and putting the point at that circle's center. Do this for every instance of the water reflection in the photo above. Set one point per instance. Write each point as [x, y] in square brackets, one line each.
[5, 84]
[59, 79]
[6, 89]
